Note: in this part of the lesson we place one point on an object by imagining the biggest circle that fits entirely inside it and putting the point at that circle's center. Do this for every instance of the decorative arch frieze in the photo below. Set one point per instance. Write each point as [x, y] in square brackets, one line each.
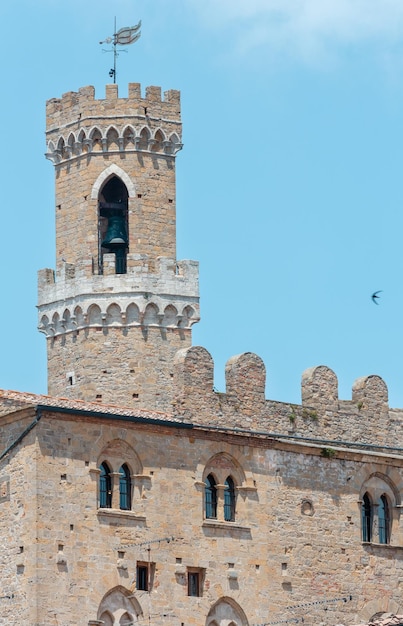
[116, 314]
[113, 139]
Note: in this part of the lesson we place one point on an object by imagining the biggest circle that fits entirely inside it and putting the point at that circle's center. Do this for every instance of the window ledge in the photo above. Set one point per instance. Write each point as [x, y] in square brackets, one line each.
[388, 546]
[119, 513]
[213, 523]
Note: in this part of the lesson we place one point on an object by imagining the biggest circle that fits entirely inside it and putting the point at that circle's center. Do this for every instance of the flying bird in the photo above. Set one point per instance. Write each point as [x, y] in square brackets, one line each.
[375, 296]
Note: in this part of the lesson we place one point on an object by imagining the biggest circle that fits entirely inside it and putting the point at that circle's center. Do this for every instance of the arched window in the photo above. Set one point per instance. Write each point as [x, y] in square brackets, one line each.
[211, 497]
[125, 488]
[105, 487]
[229, 500]
[366, 515]
[383, 519]
[113, 223]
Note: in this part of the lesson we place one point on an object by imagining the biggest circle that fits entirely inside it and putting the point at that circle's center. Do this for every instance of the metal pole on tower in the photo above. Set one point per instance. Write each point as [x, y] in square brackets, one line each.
[124, 37]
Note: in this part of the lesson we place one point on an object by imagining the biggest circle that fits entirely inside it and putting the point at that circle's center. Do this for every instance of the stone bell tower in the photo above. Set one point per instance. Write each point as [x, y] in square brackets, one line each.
[119, 305]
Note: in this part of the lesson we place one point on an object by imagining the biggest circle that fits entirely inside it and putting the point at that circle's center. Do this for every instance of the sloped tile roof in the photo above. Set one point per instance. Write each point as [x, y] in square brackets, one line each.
[15, 400]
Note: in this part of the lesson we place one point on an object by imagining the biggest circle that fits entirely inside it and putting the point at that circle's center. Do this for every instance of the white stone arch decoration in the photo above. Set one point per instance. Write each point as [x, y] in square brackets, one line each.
[222, 465]
[376, 486]
[119, 603]
[383, 604]
[378, 483]
[111, 170]
[241, 467]
[226, 612]
[118, 452]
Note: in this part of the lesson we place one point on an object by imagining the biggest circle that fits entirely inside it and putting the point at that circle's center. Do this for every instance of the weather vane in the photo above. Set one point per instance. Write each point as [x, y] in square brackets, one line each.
[122, 37]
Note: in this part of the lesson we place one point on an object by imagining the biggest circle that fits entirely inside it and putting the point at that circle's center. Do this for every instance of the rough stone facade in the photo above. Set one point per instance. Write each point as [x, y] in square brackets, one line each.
[136, 494]
[293, 551]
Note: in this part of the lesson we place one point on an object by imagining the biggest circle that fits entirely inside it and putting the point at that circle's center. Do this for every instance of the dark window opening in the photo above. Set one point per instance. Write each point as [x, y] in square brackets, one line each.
[142, 577]
[229, 500]
[383, 519]
[124, 488]
[194, 584]
[105, 487]
[211, 497]
[113, 224]
[366, 512]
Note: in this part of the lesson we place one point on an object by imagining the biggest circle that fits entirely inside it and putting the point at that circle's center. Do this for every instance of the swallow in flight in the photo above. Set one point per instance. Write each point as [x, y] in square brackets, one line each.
[375, 296]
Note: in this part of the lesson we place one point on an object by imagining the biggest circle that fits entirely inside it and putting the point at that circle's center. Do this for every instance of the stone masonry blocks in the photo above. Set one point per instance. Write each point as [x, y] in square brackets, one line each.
[319, 389]
[245, 376]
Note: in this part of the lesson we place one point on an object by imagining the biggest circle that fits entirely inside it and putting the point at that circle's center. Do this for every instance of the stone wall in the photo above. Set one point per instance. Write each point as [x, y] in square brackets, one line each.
[126, 366]
[294, 544]
[18, 522]
[322, 415]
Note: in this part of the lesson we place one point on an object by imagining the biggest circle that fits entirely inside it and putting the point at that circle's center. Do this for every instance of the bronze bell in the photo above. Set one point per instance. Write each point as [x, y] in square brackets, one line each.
[116, 234]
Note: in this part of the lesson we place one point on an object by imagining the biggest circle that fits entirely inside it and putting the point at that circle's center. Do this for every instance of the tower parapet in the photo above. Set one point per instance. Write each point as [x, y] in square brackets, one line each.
[78, 125]
[119, 304]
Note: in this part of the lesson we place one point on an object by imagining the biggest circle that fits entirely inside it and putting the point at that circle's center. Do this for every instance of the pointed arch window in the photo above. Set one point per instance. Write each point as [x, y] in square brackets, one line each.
[229, 500]
[125, 488]
[366, 518]
[105, 487]
[211, 497]
[383, 519]
[113, 223]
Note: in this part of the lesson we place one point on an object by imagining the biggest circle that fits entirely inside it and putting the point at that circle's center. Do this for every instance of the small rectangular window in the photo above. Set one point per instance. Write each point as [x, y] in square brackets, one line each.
[194, 587]
[142, 582]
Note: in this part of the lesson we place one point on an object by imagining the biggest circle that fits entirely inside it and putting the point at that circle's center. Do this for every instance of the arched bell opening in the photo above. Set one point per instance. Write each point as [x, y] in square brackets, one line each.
[113, 223]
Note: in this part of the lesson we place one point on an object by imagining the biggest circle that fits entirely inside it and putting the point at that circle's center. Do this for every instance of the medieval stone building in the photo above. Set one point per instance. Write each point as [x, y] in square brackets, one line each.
[136, 494]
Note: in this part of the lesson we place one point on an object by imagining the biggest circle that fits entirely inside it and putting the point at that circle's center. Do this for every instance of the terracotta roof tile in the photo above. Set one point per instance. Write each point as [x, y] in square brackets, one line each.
[19, 399]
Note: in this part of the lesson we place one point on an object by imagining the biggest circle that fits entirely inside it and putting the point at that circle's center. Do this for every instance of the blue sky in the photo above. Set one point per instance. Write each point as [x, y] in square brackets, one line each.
[289, 186]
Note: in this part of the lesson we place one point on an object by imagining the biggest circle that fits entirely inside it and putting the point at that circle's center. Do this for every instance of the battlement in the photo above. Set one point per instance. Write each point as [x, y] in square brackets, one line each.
[78, 125]
[75, 107]
[74, 297]
[365, 418]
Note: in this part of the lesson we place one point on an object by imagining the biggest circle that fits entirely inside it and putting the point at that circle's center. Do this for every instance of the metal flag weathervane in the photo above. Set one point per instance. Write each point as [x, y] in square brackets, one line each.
[122, 37]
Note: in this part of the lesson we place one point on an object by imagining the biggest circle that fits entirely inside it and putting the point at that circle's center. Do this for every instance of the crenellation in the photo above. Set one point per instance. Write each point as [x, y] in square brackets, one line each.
[366, 419]
[172, 96]
[87, 93]
[82, 105]
[111, 92]
[134, 92]
[70, 100]
[164, 283]
[153, 94]
[245, 377]
[320, 389]
[46, 277]
[370, 393]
